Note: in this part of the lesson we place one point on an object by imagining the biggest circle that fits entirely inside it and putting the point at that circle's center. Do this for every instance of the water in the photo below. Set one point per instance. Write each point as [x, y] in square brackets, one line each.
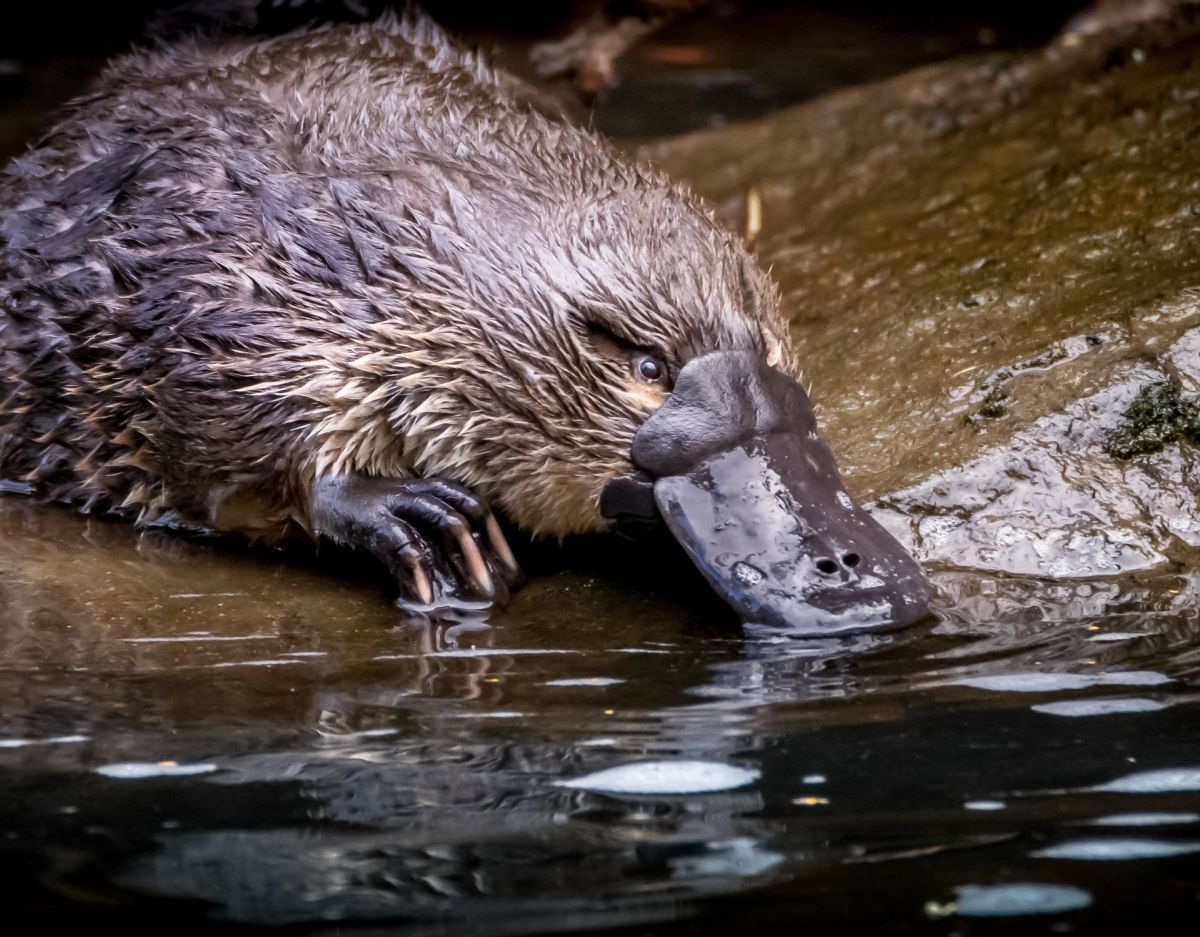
[216, 736]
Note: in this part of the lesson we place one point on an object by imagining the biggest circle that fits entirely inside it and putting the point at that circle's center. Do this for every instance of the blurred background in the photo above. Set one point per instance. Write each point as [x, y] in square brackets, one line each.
[676, 65]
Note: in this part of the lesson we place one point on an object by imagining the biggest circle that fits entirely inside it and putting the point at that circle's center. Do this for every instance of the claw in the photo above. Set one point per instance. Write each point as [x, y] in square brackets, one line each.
[394, 518]
[413, 561]
[476, 565]
[421, 584]
[500, 545]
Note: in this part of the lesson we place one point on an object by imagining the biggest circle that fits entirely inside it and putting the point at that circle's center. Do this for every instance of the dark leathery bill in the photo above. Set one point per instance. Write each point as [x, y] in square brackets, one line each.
[753, 496]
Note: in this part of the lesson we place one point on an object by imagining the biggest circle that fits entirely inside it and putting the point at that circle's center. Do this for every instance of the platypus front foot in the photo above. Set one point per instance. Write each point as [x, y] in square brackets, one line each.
[437, 538]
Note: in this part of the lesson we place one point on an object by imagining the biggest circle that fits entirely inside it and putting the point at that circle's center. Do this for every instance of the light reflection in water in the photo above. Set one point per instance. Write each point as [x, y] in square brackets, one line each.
[358, 767]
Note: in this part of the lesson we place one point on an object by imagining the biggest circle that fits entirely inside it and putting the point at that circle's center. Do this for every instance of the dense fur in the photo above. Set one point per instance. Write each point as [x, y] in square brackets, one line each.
[242, 264]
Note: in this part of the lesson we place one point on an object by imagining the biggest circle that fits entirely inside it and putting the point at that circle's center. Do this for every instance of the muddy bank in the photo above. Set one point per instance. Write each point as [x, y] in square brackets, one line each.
[987, 261]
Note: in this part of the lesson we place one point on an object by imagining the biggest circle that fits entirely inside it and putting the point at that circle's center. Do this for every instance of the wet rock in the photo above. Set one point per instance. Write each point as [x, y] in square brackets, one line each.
[993, 268]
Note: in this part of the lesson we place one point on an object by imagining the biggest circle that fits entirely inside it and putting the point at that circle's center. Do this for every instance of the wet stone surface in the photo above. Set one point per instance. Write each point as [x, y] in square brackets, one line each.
[988, 263]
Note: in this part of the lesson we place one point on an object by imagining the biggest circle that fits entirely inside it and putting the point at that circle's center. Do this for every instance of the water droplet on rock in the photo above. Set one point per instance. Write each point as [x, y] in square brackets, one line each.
[748, 575]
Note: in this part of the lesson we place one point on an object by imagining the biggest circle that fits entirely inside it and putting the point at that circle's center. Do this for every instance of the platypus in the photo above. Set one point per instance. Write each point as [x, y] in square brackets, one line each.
[349, 282]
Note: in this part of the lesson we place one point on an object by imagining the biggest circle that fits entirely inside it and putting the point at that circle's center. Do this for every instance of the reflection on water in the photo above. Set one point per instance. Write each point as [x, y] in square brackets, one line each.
[219, 736]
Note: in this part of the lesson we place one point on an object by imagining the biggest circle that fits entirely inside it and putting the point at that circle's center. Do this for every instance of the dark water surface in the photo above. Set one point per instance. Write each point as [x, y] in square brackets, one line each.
[193, 734]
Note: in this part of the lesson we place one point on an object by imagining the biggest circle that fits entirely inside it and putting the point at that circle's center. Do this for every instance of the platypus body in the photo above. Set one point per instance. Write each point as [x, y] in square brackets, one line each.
[348, 283]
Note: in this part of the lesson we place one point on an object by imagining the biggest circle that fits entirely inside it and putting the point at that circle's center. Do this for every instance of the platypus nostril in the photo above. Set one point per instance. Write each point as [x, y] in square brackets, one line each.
[826, 566]
[851, 559]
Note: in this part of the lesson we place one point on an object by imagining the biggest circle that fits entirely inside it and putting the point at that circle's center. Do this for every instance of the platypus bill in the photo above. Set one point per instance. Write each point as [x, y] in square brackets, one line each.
[348, 283]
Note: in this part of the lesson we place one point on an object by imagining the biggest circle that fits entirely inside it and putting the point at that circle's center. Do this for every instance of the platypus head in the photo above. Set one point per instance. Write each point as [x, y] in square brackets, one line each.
[583, 342]
[617, 354]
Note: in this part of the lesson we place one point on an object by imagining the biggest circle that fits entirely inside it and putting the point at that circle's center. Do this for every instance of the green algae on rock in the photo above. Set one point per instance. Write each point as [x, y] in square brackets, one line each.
[992, 405]
[1160, 414]
[985, 261]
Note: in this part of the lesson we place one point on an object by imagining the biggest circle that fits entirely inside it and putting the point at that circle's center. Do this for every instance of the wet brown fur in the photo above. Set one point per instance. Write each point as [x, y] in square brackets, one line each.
[241, 264]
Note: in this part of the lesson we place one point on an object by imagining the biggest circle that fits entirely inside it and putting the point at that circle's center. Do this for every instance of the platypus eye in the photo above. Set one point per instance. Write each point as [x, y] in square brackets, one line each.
[651, 369]
[643, 364]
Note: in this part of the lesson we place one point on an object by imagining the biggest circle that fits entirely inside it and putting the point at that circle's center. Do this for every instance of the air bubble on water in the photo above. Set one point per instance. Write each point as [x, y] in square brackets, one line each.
[665, 777]
[138, 770]
[1016, 899]
[1115, 705]
[53, 740]
[1117, 849]
[1161, 781]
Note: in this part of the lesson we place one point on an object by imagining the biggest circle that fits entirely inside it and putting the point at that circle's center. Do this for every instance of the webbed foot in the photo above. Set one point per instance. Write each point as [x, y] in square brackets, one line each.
[438, 539]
